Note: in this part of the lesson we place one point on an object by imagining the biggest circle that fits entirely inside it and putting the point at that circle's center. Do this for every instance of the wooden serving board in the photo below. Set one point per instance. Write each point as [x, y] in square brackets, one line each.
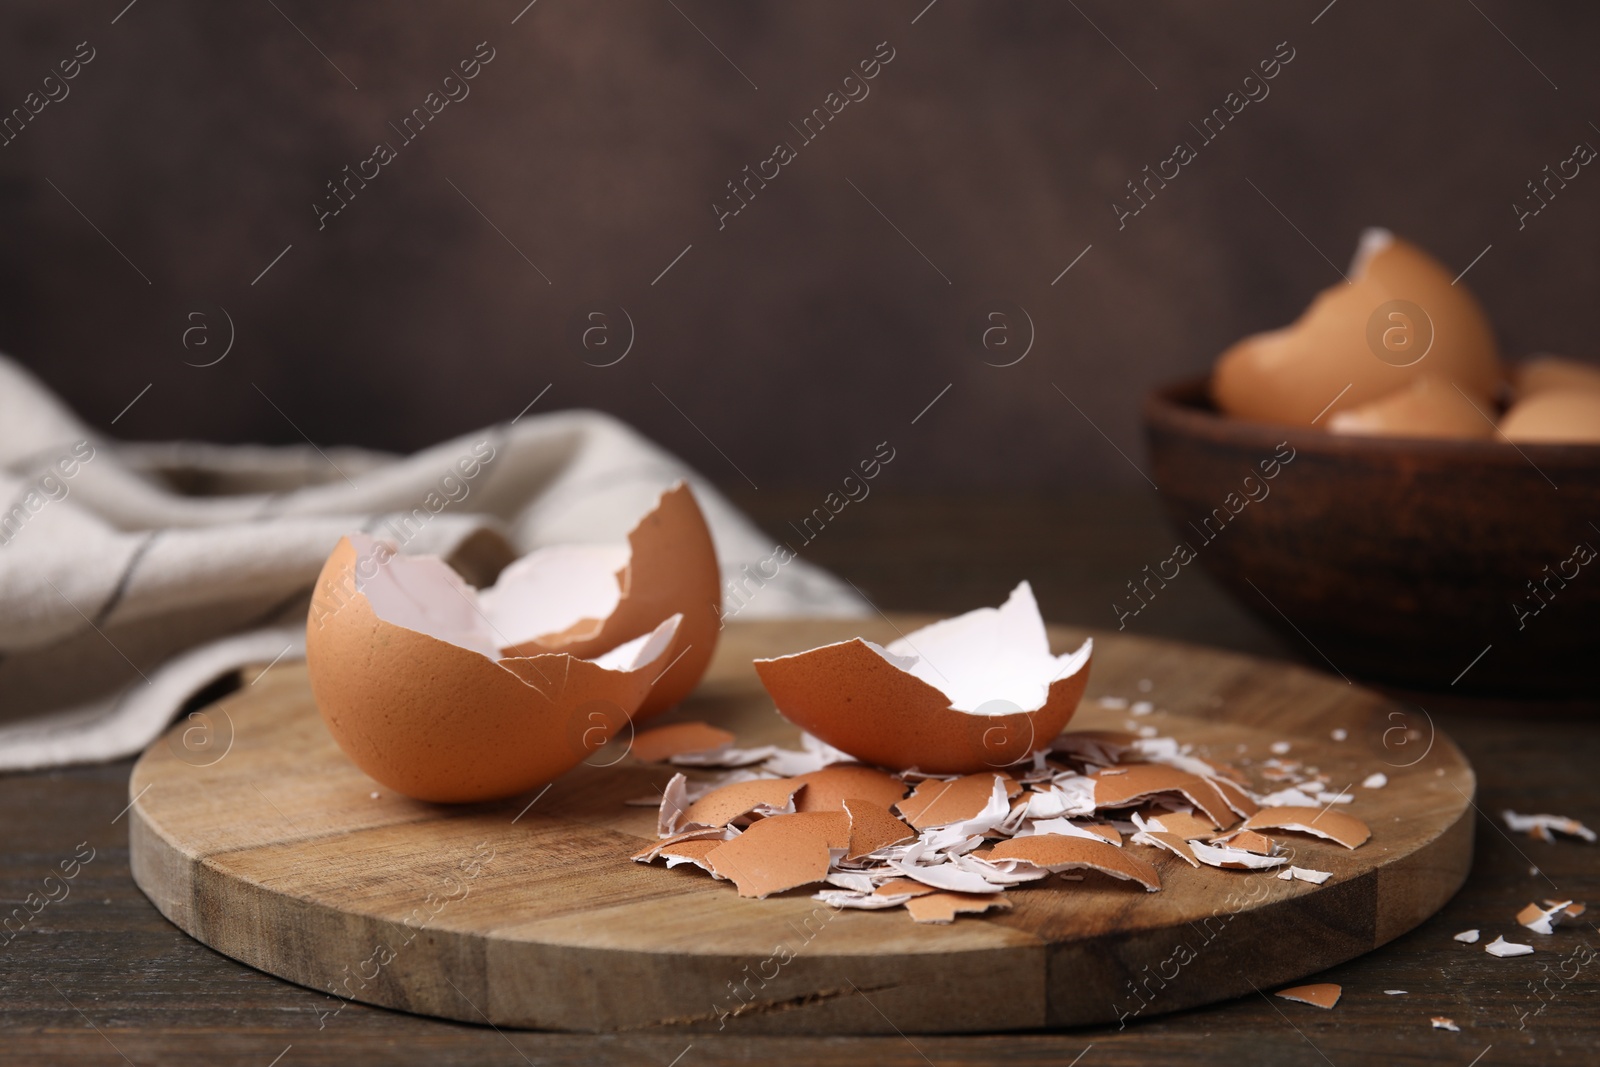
[256, 836]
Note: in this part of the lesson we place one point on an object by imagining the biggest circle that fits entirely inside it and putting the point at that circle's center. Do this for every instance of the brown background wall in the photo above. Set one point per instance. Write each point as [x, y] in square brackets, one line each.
[808, 329]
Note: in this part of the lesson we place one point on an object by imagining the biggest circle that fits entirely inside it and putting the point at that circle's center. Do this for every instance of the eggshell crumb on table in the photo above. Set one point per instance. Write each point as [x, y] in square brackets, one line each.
[1319, 995]
[1469, 937]
[1441, 1022]
[1503, 948]
[943, 907]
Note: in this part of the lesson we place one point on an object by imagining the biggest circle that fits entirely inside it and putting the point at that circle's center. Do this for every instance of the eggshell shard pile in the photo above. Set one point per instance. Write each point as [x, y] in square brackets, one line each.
[954, 842]
[977, 691]
[446, 694]
[1402, 349]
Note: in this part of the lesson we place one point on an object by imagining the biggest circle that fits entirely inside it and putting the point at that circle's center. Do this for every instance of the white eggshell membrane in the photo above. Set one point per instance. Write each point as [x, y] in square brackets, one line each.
[552, 590]
[991, 661]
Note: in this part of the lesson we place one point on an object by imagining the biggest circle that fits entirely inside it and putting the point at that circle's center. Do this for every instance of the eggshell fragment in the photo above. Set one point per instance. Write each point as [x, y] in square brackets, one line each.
[1542, 920]
[664, 742]
[826, 790]
[977, 691]
[694, 852]
[1348, 830]
[1054, 852]
[1505, 949]
[669, 567]
[1247, 841]
[707, 833]
[1552, 417]
[1233, 858]
[896, 887]
[1428, 407]
[1540, 826]
[1118, 787]
[937, 802]
[1319, 995]
[1239, 800]
[781, 852]
[1171, 842]
[410, 680]
[1469, 937]
[1543, 374]
[872, 827]
[1328, 359]
[943, 907]
[1302, 874]
[1103, 747]
[721, 806]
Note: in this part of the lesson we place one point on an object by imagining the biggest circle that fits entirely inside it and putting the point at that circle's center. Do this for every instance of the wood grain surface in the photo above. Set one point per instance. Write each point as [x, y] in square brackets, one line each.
[265, 843]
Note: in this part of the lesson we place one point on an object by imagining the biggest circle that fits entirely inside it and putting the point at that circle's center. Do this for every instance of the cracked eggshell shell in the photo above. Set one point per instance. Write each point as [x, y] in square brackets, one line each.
[1289, 375]
[1428, 407]
[435, 721]
[1555, 417]
[857, 701]
[672, 569]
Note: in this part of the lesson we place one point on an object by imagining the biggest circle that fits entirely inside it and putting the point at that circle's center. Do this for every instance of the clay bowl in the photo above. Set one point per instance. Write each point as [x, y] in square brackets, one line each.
[1466, 566]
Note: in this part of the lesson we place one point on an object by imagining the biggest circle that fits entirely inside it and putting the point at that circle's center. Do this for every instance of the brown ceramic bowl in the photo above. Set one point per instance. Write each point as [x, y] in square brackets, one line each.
[1450, 565]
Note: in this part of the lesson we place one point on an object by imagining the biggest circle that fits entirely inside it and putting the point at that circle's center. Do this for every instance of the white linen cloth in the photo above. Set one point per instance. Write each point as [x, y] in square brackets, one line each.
[134, 575]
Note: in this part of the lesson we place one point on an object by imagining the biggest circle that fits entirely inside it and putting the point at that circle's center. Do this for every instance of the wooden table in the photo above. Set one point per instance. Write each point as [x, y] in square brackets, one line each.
[98, 977]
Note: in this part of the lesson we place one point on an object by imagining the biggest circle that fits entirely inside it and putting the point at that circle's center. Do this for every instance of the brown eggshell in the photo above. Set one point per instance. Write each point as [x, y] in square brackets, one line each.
[1428, 407]
[1555, 417]
[722, 805]
[1322, 995]
[857, 701]
[943, 906]
[1348, 830]
[781, 852]
[827, 789]
[664, 742]
[1121, 786]
[1057, 852]
[937, 802]
[672, 570]
[872, 826]
[439, 722]
[1291, 375]
[1174, 844]
[1554, 374]
[1183, 824]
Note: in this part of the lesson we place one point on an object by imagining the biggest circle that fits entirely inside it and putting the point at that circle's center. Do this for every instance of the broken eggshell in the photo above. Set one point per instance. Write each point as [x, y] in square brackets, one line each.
[1399, 317]
[977, 691]
[408, 673]
[587, 599]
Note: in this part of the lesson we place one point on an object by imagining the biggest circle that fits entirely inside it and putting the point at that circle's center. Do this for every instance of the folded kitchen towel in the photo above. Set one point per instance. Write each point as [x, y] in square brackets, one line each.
[134, 575]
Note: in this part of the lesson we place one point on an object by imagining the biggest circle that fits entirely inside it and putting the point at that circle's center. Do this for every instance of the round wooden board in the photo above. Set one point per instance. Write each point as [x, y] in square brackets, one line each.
[257, 837]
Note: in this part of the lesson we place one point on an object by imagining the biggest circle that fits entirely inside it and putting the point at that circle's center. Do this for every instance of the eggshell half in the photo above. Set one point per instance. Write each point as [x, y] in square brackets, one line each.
[429, 708]
[1292, 374]
[1555, 417]
[920, 703]
[669, 567]
[1428, 407]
